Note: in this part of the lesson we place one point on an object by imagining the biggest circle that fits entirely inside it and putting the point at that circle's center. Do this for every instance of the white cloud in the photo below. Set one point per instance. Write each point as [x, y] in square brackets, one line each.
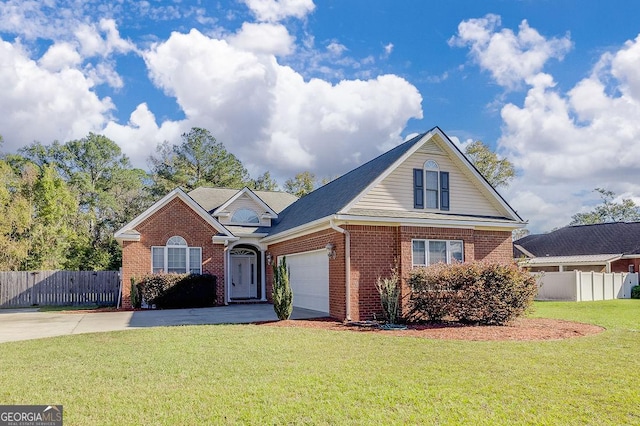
[263, 38]
[60, 56]
[141, 135]
[45, 102]
[510, 58]
[563, 144]
[270, 116]
[277, 10]
[102, 39]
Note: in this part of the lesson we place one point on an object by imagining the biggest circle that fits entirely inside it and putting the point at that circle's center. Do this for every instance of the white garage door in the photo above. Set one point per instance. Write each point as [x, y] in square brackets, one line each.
[310, 280]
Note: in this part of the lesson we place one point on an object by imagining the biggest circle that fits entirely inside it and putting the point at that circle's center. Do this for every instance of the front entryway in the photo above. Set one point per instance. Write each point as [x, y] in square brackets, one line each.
[244, 274]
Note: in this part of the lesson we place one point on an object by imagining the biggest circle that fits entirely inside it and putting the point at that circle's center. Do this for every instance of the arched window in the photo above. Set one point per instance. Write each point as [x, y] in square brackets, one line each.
[430, 187]
[176, 257]
[245, 216]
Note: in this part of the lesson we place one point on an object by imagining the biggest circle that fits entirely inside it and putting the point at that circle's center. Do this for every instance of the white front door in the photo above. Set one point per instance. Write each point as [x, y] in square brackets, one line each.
[243, 277]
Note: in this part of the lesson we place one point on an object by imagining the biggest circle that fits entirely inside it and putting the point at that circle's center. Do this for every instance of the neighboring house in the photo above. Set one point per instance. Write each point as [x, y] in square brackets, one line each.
[603, 247]
[420, 203]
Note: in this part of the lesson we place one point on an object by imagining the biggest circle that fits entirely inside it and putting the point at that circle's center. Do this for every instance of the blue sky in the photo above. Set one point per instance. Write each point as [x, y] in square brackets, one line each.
[296, 85]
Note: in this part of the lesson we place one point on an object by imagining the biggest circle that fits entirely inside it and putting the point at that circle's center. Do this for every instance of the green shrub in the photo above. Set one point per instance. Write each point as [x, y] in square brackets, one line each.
[635, 292]
[136, 300]
[389, 291]
[170, 291]
[475, 292]
[282, 294]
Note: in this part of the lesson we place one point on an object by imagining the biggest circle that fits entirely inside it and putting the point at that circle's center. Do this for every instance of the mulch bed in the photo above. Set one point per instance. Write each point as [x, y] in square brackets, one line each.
[523, 329]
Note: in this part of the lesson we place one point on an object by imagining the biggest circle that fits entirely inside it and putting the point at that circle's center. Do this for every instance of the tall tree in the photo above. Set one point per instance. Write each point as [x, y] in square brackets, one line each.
[54, 208]
[498, 171]
[302, 184]
[264, 183]
[198, 161]
[108, 189]
[608, 211]
[16, 220]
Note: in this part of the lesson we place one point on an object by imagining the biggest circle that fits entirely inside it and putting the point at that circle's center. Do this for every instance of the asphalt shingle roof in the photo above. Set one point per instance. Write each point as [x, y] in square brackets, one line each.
[332, 197]
[602, 238]
[212, 198]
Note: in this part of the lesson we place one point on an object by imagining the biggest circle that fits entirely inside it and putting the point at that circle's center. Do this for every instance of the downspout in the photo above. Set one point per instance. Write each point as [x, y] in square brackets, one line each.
[347, 267]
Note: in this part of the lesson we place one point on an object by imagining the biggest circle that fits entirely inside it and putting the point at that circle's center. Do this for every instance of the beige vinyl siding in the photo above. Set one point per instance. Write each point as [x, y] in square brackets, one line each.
[245, 202]
[395, 192]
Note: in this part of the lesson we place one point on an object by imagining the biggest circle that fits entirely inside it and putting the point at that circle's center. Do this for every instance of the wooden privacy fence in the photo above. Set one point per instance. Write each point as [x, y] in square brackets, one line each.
[58, 288]
[585, 286]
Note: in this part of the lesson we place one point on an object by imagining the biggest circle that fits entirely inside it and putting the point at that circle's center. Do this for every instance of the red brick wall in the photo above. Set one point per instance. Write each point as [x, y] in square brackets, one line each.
[316, 241]
[374, 251]
[493, 246]
[175, 218]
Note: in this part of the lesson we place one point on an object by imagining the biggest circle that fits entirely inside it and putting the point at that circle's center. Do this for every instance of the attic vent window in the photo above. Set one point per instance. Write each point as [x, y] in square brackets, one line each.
[245, 216]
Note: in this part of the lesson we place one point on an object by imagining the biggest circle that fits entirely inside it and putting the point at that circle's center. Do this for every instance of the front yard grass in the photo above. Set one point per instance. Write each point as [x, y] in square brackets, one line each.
[272, 375]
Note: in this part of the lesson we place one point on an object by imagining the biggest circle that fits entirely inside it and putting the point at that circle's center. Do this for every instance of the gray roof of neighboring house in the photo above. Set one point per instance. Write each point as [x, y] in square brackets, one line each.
[212, 198]
[602, 238]
[332, 197]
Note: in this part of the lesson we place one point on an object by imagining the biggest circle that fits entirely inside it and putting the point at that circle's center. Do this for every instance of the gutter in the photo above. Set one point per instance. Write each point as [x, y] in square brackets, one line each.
[347, 266]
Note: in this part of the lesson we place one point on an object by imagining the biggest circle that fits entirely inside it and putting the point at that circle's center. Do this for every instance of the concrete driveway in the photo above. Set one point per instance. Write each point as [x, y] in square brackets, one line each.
[26, 324]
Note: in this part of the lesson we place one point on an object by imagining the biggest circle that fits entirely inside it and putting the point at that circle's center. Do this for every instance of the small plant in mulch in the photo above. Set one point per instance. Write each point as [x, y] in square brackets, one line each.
[282, 294]
[635, 292]
[389, 291]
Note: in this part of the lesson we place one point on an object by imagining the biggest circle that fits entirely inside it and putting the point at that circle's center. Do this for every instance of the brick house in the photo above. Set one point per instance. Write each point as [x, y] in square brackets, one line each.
[420, 203]
[600, 247]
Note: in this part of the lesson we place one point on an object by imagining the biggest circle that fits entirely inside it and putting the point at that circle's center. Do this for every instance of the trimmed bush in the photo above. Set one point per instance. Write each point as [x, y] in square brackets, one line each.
[282, 294]
[635, 292]
[174, 291]
[475, 292]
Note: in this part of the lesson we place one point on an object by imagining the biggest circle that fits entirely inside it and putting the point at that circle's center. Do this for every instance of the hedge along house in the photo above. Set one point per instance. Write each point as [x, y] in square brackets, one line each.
[420, 203]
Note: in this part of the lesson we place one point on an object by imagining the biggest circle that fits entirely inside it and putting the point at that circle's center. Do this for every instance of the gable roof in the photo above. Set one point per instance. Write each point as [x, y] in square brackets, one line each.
[602, 238]
[128, 232]
[332, 197]
[341, 193]
[211, 199]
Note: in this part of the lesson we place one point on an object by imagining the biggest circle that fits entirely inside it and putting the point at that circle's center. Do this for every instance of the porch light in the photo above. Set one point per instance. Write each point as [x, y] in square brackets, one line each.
[269, 258]
[331, 250]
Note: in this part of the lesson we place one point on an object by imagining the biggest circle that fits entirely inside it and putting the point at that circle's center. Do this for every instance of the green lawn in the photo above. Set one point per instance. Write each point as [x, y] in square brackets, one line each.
[270, 375]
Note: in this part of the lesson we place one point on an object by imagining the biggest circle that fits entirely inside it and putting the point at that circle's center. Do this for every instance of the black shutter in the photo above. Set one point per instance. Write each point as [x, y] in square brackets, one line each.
[444, 190]
[418, 189]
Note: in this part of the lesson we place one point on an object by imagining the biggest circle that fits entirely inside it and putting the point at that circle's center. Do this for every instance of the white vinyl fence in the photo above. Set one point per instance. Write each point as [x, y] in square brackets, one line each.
[585, 286]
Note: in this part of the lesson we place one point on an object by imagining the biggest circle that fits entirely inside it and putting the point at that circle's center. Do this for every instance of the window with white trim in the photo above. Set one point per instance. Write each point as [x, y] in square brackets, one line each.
[430, 187]
[245, 216]
[430, 252]
[176, 257]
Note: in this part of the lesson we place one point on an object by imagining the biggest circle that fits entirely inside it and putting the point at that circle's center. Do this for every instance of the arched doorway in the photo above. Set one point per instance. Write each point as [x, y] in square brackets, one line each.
[245, 273]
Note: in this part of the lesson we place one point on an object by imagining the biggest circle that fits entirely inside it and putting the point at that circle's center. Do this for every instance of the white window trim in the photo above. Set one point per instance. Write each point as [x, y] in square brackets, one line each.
[426, 250]
[431, 166]
[258, 223]
[165, 253]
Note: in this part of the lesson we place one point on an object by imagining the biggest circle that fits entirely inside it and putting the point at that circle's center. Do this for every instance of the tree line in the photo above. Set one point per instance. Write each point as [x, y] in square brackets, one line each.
[61, 203]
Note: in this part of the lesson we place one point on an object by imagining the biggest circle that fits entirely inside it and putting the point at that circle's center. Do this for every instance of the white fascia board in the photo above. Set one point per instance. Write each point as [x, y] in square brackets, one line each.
[307, 228]
[387, 172]
[438, 223]
[251, 195]
[525, 251]
[176, 193]
[222, 239]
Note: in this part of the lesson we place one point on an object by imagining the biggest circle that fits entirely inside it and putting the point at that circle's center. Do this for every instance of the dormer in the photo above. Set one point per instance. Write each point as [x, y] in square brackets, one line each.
[245, 208]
